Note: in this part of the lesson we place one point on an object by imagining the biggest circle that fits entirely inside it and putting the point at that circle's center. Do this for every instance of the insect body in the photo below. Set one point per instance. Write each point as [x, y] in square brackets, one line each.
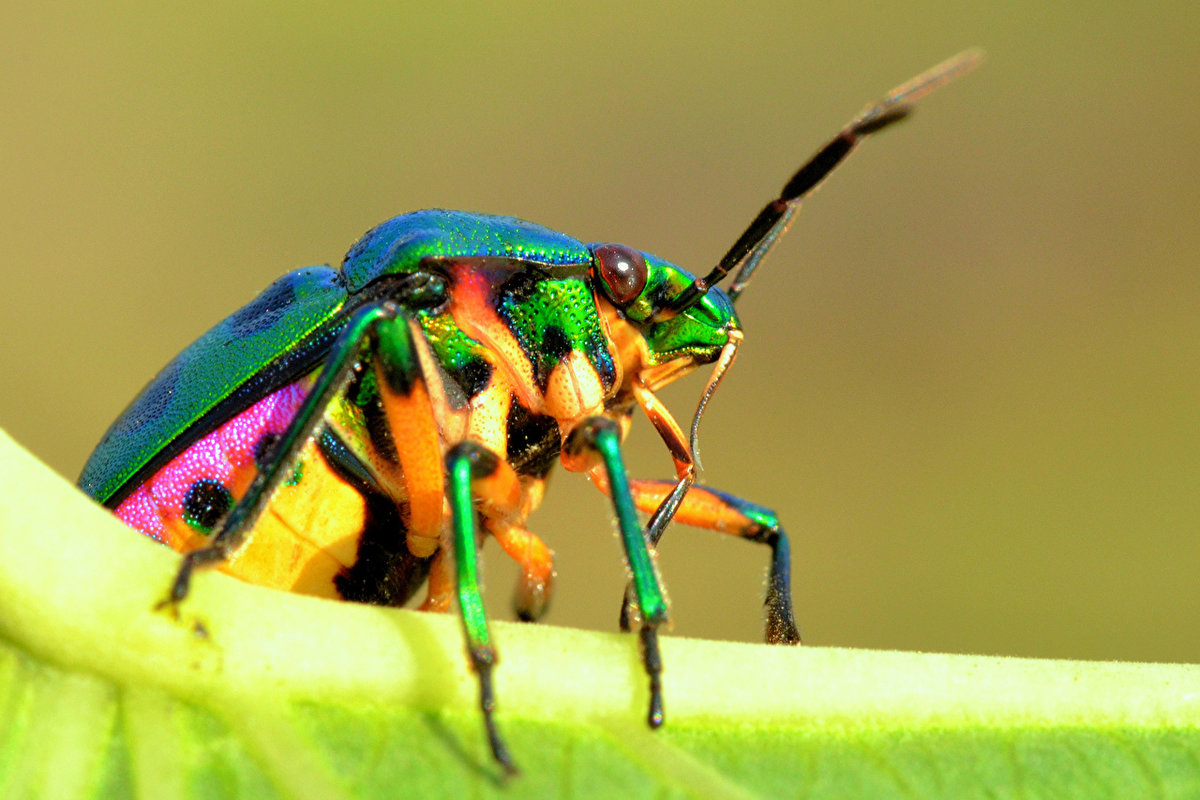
[354, 433]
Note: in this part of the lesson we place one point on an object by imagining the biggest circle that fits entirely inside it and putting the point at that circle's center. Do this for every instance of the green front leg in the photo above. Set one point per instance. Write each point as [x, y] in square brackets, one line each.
[464, 464]
[602, 436]
[354, 343]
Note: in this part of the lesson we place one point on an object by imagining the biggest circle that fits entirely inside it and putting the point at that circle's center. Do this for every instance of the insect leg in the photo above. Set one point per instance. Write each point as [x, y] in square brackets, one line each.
[537, 567]
[475, 481]
[440, 594]
[681, 453]
[468, 465]
[348, 349]
[413, 457]
[668, 502]
[714, 510]
[602, 437]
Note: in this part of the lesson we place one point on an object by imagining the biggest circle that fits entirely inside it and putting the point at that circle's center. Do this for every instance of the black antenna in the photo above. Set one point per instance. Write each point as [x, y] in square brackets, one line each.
[772, 221]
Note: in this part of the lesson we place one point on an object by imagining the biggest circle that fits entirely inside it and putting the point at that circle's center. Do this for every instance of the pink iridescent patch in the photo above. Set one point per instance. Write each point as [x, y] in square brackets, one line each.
[217, 457]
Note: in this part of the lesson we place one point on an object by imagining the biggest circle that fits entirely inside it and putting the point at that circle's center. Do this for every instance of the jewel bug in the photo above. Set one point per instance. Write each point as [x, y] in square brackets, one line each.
[354, 433]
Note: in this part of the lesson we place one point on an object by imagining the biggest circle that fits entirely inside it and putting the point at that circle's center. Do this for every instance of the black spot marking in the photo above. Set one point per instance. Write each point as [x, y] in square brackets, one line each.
[206, 503]
[265, 310]
[521, 286]
[384, 572]
[534, 441]
[265, 449]
[600, 357]
[555, 346]
[364, 391]
[473, 376]
[555, 343]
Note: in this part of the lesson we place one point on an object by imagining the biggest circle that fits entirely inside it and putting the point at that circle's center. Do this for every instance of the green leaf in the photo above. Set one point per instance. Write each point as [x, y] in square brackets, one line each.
[255, 693]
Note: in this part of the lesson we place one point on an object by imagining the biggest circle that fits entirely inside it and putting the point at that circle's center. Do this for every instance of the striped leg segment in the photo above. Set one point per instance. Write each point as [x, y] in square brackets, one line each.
[714, 510]
[601, 437]
[357, 342]
[466, 464]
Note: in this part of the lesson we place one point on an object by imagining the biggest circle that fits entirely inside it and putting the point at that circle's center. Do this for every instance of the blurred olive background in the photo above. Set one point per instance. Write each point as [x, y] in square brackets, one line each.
[971, 374]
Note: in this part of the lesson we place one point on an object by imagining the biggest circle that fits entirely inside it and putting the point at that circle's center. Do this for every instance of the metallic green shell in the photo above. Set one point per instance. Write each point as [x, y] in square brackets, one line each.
[288, 330]
[276, 330]
[398, 245]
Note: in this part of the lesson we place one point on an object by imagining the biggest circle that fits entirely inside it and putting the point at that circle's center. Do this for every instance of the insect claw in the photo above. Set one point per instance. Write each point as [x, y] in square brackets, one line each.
[652, 658]
[169, 606]
[487, 702]
[781, 630]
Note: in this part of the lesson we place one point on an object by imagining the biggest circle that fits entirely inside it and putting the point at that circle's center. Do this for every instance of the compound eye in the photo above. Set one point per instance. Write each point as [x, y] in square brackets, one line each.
[622, 271]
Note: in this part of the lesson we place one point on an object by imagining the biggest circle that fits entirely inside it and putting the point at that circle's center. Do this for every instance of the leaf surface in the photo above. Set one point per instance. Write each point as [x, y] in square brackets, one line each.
[255, 693]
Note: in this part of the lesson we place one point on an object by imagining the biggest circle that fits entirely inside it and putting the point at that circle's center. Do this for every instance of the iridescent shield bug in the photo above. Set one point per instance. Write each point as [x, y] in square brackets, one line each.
[391, 413]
